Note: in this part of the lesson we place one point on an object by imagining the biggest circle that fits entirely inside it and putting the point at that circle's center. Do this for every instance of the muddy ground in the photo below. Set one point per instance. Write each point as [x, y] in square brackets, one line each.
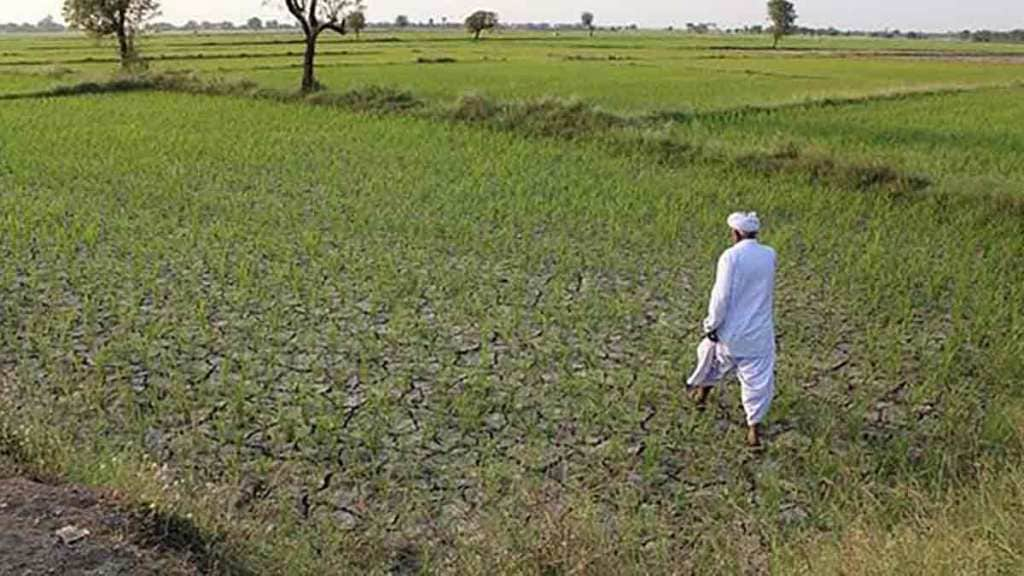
[71, 531]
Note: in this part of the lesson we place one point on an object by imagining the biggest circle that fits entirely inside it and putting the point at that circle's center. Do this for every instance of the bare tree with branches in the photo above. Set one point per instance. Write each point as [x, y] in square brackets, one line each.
[316, 16]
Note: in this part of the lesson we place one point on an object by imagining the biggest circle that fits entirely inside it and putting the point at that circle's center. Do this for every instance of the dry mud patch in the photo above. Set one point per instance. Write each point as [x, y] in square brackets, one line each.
[71, 530]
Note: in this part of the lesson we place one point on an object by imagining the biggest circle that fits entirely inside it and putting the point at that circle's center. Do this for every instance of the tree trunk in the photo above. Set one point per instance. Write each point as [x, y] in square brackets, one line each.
[591, 32]
[123, 49]
[476, 35]
[775, 44]
[308, 70]
[123, 44]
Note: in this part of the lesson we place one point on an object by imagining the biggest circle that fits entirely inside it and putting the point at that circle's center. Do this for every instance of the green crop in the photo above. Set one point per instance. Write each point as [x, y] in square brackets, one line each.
[371, 343]
[627, 73]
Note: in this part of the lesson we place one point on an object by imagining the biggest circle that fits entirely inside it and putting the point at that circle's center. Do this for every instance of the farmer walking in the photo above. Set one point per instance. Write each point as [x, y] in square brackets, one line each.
[740, 327]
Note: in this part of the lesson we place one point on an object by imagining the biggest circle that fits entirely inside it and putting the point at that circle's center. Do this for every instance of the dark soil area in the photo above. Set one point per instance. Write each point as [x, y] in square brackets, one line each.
[71, 531]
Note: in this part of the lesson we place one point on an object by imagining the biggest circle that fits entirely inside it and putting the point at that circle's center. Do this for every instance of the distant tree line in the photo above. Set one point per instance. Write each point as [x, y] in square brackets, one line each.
[51, 25]
[992, 35]
[47, 24]
[966, 35]
[702, 27]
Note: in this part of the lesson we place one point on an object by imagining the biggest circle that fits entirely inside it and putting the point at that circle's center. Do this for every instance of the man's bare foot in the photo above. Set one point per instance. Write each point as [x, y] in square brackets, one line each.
[754, 436]
[699, 395]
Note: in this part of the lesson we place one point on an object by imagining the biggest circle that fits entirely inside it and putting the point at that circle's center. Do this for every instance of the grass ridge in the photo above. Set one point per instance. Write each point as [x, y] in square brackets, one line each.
[567, 119]
[741, 112]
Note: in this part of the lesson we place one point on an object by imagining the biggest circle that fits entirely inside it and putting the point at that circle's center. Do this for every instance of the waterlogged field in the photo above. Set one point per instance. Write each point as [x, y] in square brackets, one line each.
[399, 343]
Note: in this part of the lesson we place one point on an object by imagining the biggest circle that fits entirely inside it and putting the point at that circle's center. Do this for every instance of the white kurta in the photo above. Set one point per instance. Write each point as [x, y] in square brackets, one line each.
[741, 312]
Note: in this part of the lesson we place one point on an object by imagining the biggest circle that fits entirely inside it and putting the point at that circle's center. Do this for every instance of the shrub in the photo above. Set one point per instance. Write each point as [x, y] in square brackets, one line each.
[440, 60]
[369, 99]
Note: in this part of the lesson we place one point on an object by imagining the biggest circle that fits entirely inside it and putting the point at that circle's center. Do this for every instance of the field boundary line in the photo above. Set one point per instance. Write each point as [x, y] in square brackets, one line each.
[552, 118]
[740, 112]
[185, 57]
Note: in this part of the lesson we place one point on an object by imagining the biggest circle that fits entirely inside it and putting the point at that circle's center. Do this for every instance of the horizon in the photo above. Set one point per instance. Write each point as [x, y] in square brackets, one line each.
[916, 15]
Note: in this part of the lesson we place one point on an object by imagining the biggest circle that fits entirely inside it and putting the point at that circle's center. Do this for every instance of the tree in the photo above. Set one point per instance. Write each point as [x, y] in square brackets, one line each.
[587, 19]
[122, 18]
[402, 21]
[356, 22]
[48, 24]
[158, 27]
[254, 23]
[783, 16]
[479, 21]
[314, 17]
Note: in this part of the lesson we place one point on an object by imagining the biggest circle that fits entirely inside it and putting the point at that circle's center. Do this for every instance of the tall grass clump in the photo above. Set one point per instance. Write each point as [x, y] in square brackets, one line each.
[379, 99]
[822, 169]
[546, 117]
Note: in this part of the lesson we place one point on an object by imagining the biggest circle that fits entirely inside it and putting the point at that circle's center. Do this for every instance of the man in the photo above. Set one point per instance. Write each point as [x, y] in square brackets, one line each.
[740, 327]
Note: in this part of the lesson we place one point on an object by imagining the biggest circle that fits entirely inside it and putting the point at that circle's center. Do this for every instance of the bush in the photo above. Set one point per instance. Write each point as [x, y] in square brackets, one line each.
[474, 108]
[543, 117]
[440, 60]
[369, 99]
[825, 170]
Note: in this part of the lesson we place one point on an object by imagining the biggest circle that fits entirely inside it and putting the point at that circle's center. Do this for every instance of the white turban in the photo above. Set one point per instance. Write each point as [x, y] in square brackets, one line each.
[745, 222]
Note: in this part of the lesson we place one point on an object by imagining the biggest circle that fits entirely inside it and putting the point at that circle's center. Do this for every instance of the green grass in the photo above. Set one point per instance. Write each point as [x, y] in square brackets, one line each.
[20, 83]
[652, 72]
[639, 86]
[967, 143]
[360, 343]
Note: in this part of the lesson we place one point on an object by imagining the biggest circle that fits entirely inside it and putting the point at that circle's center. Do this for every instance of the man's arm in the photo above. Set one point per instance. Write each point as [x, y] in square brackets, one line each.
[718, 307]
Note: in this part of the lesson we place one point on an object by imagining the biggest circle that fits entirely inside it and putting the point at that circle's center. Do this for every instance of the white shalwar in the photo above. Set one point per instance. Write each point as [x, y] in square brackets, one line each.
[741, 312]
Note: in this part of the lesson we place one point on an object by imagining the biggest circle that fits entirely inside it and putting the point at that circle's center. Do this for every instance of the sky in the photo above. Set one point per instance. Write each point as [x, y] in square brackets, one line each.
[927, 15]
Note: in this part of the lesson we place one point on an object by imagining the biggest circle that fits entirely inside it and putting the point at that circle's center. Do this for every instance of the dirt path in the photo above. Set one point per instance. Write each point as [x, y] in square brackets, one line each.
[72, 531]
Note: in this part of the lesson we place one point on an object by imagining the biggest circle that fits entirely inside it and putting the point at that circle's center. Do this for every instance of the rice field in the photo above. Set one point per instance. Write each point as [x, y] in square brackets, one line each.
[392, 342]
[624, 72]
